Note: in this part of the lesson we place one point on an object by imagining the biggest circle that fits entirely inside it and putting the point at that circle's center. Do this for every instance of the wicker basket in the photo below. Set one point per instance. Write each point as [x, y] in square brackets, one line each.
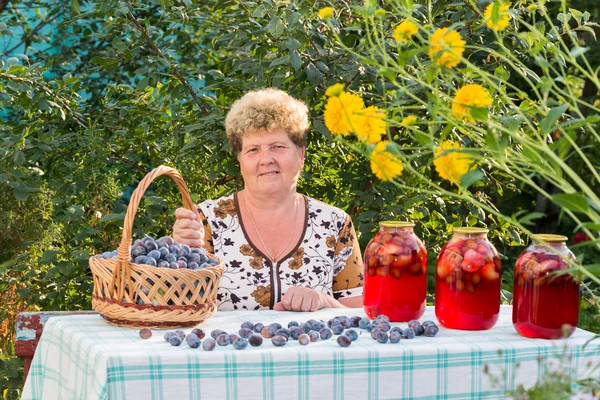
[138, 295]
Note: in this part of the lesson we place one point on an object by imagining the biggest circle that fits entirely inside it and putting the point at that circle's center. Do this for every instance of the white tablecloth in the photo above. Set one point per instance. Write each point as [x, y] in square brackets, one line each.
[84, 357]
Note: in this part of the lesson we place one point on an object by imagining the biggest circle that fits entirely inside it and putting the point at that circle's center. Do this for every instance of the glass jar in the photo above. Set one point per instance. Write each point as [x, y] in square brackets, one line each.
[543, 302]
[395, 278]
[467, 290]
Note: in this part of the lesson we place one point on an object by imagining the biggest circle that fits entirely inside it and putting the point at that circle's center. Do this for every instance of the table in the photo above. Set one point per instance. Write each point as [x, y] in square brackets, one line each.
[83, 357]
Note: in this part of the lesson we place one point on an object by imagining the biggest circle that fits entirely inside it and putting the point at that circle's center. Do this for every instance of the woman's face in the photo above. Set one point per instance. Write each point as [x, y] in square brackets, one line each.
[270, 162]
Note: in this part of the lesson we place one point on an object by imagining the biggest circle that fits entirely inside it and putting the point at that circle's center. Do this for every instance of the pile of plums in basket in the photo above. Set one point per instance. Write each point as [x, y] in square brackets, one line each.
[165, 253]
[347, 329]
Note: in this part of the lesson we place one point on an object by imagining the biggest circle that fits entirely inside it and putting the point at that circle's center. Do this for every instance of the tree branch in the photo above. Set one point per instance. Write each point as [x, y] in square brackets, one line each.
[49, 93]
[175, 71]
[35, 30]
[3, 4]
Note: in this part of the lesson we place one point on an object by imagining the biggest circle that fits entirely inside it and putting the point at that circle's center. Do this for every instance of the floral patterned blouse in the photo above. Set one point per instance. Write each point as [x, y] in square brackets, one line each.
[327, 257]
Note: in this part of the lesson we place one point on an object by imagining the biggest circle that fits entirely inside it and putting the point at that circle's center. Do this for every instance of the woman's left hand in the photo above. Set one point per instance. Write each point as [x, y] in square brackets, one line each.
[299, 298]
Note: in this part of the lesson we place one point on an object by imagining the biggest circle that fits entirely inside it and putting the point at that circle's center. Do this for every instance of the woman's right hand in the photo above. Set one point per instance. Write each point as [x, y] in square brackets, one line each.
[188, 228]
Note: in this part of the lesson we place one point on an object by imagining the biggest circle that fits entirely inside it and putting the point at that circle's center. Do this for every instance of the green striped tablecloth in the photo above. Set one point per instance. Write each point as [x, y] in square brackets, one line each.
[83, 357]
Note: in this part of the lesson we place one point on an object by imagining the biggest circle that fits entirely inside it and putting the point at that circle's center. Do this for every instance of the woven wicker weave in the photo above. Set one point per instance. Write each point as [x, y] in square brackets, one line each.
[119, 285]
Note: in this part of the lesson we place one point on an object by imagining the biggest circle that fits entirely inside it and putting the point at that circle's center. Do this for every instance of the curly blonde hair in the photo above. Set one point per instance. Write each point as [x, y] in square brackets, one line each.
[266, 110]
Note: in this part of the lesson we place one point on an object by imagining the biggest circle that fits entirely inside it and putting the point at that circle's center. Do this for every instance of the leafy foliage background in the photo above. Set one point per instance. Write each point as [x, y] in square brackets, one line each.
[93, 95]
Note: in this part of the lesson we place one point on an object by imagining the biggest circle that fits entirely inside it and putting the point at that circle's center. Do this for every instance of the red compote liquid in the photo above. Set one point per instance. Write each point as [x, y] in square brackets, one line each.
[395, 273]
[543, 302]
[467, 289]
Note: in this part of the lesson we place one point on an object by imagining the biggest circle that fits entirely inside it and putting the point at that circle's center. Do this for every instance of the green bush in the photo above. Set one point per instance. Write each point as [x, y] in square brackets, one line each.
[139, 84]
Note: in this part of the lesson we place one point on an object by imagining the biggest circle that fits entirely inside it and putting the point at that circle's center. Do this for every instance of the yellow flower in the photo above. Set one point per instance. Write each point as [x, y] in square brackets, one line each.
[339, 110]
[326, 12]
[408, 121]
[334, 90]
[405, 31]
[446, 47]
[453, 164]
[471, 95]
[497, 16]
[369, 124]
[385, 165]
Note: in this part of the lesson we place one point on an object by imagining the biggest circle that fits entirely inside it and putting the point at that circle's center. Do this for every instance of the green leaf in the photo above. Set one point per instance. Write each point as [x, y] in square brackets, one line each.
[471, 177]
[165, 4]
[315, 77]
[530, 217]
[278, 61]
[113, 217]
[119, 45]
[502, 73]
[593, 268]
[7, 264]
[493, 143]
[215, 73]
[279, 78]
[80, 255]
[75, 6]
[563, 18]
[260, 11]
[292, 44]
[19, 157]
[321, 128]
[276, 27]
[571, 201]
[586, 16]
[295, 60]
[512, 123]
[49, 256]
[421, 138]
[65, 267]
[430, 73]
[578, 51]
[479, 113]
[21, 191]
[545, 84]
[547, 124]
[3, 178]
[74, 212]
[85, 233]
[587, 225]
[142, 84]
[564, 144]
[322, 67]
[576, 14]
[587, 29]
[388, 73]
[105, 62]
[367, 215]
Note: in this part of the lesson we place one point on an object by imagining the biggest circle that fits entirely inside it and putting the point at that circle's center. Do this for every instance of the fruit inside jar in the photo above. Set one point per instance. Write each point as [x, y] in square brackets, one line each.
[544, 301]
[467, 292]
[395, 279]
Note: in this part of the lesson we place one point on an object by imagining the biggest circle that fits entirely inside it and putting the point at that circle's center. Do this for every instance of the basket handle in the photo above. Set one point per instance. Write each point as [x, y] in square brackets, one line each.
[121, 274]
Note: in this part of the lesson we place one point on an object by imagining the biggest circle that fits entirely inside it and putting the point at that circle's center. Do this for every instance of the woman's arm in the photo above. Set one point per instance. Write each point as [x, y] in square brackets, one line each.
[351, 302]
[300, 298]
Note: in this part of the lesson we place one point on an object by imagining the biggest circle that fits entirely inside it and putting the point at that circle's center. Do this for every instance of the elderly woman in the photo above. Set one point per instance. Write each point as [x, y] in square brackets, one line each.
[282, 250]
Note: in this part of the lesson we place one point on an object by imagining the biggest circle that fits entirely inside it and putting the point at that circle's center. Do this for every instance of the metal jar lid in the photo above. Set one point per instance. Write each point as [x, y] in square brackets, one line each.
[470, 230]
[550, 238]
[396, 224]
